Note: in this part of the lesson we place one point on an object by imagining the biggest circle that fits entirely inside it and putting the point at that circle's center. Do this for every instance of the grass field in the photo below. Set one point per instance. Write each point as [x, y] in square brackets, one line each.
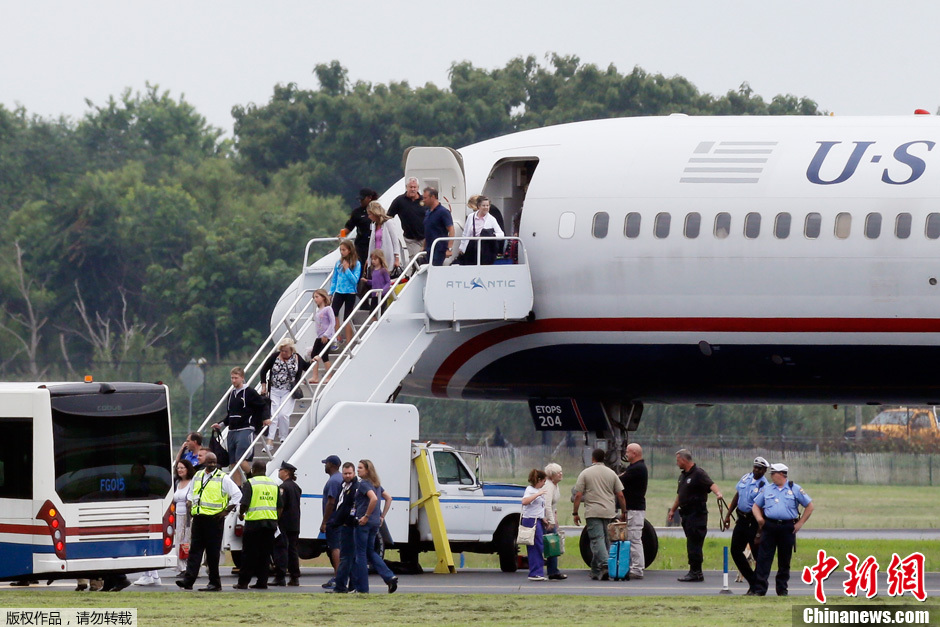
[837, 506]
[170, 609]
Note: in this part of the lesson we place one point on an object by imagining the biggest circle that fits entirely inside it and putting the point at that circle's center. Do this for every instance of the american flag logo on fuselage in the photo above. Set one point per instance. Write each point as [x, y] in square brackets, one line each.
[727, 162]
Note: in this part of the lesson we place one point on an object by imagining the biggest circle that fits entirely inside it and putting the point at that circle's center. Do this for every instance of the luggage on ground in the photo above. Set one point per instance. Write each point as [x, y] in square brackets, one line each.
[618, 560]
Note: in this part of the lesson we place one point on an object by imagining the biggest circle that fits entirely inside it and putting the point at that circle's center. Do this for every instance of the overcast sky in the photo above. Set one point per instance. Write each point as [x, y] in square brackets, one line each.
[855, 57]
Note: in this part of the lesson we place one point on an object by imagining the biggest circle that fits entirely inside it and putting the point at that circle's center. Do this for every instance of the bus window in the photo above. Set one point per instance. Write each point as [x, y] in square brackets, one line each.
[813, 225]
[601, 222]
[693, 223]
[752, 225]
[631, 225]
[902, 226]
[873, 225]
[16, 458]
[782, 226]
[661, 225]
[722, 225]
[119, 452]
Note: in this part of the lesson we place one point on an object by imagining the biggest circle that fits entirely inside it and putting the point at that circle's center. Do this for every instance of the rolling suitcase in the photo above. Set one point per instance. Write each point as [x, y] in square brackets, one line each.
[618, 560]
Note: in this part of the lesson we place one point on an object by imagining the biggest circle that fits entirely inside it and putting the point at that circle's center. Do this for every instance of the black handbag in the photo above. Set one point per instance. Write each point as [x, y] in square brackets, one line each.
[218, 449]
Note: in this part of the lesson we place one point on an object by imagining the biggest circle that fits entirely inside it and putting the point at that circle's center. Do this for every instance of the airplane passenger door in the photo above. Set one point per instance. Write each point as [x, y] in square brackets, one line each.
[441, 168]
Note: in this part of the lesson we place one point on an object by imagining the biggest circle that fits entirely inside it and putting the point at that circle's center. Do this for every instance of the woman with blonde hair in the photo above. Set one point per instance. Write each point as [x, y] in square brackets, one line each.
[324, 324]
[385, 235]
[280, 372]
[371, 516]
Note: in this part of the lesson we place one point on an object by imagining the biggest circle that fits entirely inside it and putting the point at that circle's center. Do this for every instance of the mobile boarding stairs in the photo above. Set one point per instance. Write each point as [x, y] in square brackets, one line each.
[388, 341]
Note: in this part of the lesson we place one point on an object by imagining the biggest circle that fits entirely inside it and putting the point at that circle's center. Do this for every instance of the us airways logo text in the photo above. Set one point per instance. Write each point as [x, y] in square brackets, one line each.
[898, 165]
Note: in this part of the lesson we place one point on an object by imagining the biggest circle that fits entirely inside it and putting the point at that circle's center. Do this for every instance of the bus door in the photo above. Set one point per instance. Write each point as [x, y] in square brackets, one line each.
[18, 522]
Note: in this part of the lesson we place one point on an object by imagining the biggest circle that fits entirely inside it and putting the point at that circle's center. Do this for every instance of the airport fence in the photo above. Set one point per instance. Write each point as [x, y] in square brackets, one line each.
[728, 464]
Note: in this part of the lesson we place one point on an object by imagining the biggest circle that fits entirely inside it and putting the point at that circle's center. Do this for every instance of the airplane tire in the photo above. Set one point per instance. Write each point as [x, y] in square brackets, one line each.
[650, 545]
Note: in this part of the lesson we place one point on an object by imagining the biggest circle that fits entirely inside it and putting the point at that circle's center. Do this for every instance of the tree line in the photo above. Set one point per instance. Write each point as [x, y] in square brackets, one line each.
[140, 233]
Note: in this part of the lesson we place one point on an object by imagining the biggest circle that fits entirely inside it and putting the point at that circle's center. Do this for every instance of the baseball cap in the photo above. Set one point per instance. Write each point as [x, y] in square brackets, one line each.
[779, 468]
[333, 459]
[760, 461]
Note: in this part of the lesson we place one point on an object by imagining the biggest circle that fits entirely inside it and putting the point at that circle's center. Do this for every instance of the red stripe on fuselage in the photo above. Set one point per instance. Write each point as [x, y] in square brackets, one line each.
[479, 343]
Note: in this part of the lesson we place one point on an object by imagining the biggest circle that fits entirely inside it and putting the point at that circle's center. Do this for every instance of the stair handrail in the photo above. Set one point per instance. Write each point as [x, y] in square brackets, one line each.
[521, 260]
[316, 240]
[374, 316]
[261, 350]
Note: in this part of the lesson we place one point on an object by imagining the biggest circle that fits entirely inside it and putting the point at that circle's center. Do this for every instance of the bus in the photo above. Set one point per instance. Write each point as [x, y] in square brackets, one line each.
[85, 479]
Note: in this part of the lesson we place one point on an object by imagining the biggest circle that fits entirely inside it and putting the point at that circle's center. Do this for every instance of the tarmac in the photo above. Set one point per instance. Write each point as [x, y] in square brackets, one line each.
[492, 581]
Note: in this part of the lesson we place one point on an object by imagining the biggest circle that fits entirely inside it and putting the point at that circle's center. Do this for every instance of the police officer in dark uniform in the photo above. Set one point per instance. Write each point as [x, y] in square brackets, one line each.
[286, 559]
[776, 509]
[745, 528]
[691, 500]
[260, 504]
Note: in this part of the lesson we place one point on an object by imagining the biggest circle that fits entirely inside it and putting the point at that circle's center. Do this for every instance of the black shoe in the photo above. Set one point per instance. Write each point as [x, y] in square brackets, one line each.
[392, 585]
[335, 591]
[241, 586]
[783, 594]
[81, 587]
[279, 582]
[185, 584]
[121, 585]
[558, 576]
[294, 582]
[259, 586]
[605, 576]
[750, 593]
[690, 576]
[211, 588]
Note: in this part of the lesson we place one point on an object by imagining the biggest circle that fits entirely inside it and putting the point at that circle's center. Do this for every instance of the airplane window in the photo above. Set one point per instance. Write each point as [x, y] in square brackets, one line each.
[873, 225]
[933, 226]
[601, 222]
[843, 225]
[722, 225]
[902, 226]
[566, 225]
[752, 225]
[812, 226]
[631, 225]
[693, 224]
[661, 225]
[782, 226]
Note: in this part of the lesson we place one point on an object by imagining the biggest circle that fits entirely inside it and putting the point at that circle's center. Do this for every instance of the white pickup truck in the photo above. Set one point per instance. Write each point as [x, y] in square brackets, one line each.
[479, 517]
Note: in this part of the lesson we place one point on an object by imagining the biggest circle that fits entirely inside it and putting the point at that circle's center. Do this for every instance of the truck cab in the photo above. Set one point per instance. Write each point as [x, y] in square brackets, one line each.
[901, 423]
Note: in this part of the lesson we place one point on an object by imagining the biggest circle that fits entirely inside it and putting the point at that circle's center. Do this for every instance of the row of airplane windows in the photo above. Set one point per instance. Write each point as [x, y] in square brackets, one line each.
[782, 223]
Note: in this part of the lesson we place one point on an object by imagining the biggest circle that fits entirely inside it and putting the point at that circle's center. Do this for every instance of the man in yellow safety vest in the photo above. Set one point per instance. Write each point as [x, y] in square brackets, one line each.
[261, 501]
[211, 496]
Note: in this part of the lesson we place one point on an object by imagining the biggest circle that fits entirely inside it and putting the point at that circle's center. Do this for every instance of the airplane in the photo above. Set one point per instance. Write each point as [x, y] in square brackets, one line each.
[705, 260]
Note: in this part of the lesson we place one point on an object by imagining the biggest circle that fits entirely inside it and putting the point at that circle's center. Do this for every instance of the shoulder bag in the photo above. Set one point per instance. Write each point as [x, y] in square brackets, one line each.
[526, 535]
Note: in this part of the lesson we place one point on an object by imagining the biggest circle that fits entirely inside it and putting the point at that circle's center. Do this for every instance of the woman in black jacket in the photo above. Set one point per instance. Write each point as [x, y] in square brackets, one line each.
[281, 371]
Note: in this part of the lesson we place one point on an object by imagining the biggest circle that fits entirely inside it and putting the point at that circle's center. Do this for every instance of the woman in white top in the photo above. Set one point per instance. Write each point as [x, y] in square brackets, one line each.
[533, 511]
[554, 475]
[184, 473]
[480, 223]
[385, 235]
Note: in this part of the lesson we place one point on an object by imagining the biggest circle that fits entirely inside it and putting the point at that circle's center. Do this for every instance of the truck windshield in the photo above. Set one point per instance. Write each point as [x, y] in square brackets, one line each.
[111, 447]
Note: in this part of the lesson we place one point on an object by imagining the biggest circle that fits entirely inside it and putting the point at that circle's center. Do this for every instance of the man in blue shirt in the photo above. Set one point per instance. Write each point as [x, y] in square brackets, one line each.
[746, 527]
[437, 223]
[778, 520]
[331, 491]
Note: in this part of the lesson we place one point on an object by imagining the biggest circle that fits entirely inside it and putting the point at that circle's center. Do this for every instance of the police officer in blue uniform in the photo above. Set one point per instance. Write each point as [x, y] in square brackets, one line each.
[778, 521]
[746, 527]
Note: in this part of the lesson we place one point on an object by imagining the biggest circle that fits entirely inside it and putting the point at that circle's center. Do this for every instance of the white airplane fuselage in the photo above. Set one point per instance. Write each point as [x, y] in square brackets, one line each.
[841, 306]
